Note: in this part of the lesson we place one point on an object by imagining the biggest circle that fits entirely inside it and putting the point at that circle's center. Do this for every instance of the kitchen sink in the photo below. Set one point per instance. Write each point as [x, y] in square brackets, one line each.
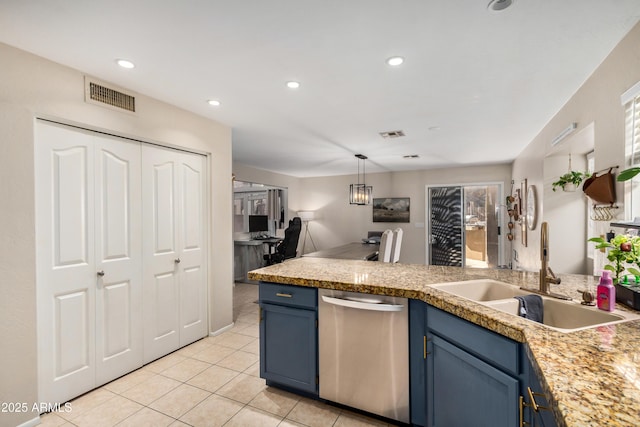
[567, 316]
[562, 316]
[482, 289]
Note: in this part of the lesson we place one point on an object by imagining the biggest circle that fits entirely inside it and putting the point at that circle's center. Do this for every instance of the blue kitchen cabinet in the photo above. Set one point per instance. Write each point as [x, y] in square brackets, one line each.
[418, 362]
[463, 390]
[288, 337]
[474, 376]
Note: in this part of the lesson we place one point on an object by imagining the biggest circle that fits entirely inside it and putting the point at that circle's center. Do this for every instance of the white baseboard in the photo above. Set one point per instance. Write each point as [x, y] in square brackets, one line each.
[219, 331]
[31, 423]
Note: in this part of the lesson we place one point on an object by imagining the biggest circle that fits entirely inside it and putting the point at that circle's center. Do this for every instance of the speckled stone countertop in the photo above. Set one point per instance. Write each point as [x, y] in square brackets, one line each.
[591, 377]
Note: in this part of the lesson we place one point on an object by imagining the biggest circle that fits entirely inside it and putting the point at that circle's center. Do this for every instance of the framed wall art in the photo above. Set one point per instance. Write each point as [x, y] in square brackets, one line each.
[391, 209]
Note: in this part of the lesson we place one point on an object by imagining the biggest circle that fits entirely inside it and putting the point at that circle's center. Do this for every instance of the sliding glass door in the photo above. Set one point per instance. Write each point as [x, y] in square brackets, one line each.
[463, 225]
[445, 228]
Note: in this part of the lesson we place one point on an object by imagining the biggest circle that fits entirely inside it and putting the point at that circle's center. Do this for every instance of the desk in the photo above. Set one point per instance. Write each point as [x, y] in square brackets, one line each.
[248, 254]
[349, 251]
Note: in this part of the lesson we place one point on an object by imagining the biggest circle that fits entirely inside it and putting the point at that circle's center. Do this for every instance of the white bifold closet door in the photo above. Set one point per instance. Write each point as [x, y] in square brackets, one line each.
[89, 291]
[175, 309]
[121, 248]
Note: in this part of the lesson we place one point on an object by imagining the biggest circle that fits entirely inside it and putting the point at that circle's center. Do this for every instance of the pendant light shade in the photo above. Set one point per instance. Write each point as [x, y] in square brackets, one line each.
[360, 193]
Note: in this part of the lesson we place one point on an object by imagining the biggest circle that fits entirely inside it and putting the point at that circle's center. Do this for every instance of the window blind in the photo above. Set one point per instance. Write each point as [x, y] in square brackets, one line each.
[632, 130]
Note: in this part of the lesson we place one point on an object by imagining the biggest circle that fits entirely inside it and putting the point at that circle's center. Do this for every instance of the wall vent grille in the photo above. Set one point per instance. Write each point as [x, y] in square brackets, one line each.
[101, 94]
[392, 134]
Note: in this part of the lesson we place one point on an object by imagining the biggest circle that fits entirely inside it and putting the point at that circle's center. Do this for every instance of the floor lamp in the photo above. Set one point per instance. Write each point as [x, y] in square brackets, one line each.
[306, 216]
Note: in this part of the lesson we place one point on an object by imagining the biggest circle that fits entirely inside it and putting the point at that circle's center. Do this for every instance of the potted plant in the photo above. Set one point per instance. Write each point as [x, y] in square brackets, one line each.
[621, 250]
[569, 181]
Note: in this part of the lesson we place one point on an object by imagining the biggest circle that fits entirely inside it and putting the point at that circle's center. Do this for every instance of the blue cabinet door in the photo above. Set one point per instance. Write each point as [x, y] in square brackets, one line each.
[288, 347]
[463, 391]
[544, 416]
[418, 362]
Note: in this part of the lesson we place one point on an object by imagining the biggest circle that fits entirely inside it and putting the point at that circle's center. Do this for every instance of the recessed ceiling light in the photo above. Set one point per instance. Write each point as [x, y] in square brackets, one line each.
[394, 61]
[214, 102]
[293, 85]
[125, 63]
[499, 5]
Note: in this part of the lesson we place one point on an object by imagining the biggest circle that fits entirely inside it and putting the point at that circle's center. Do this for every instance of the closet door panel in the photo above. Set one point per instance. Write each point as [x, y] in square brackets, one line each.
[161, 257]
[193, 292]
[165, 314]
[70, 205]
[119, 335]
[163, 212]
[71, 320]
[65, 271]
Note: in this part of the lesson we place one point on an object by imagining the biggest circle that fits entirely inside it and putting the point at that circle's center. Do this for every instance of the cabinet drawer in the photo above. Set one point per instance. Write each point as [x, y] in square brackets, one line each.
[296, 296]
[489, 346]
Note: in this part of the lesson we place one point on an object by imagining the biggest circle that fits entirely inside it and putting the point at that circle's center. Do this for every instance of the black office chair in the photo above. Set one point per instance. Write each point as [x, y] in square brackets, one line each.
[289, 245]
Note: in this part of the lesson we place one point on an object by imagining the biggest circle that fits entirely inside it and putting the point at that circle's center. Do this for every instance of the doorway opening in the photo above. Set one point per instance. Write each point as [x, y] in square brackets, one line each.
[464, 225]
[259, 200]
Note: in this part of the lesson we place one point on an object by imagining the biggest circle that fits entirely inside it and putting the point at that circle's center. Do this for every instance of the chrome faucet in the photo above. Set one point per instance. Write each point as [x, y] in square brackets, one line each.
[547, 276]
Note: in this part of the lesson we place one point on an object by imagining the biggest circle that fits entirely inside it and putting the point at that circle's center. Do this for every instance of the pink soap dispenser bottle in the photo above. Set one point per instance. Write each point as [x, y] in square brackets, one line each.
[606, 293]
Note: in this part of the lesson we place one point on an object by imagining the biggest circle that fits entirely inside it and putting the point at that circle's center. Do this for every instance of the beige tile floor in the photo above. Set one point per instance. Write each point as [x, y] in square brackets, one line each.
[212, 382]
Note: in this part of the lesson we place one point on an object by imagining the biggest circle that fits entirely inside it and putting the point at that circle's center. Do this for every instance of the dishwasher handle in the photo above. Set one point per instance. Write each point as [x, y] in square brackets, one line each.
[362, 305]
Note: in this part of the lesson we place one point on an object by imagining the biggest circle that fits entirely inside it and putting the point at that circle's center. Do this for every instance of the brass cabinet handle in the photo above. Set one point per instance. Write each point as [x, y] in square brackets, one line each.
[523, 423]
[424, 347]
[534, 404]
[284, 295]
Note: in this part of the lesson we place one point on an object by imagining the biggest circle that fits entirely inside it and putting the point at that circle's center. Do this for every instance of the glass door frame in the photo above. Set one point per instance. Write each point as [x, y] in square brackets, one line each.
[500, 215]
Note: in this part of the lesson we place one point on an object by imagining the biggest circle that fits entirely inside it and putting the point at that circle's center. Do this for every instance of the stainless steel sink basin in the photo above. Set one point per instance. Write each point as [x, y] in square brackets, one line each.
[563, 316]
[567, 316]
[481, 289]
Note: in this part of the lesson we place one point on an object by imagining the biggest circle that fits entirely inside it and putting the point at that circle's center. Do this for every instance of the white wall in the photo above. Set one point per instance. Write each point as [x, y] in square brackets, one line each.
[338, 222]
[566, 212]
[596, 103]
[34, 87]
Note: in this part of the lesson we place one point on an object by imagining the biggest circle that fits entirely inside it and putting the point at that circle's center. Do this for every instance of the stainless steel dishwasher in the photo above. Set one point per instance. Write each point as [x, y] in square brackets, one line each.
[363, 345]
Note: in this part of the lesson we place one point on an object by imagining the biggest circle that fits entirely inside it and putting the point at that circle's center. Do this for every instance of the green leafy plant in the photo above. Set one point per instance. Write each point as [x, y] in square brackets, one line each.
[627, 174]
[621, 250]
[572, 177]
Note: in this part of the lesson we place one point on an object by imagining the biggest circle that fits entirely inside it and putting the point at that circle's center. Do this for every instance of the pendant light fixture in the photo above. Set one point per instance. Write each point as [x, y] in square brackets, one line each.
[360, 193]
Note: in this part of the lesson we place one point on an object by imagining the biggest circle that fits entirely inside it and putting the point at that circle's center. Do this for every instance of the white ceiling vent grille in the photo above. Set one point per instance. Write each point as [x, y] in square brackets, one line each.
[392, 134]
[98, 93]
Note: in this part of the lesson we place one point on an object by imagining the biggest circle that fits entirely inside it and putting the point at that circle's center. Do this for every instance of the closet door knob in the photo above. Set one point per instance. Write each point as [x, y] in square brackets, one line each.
[100, 273]
[177, 260]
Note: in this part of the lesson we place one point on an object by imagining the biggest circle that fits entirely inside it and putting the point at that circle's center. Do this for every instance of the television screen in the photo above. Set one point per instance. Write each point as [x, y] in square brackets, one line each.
[258, 223]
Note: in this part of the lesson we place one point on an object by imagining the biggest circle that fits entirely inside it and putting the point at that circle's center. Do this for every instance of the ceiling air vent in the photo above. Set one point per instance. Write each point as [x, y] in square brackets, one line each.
[98, 93]
[392, 134]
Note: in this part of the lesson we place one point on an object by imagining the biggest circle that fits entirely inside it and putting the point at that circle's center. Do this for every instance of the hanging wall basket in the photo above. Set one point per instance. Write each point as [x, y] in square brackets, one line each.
[601, 188]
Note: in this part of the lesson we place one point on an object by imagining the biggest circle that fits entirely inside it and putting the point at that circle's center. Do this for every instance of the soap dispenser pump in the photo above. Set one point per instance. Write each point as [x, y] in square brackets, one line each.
[606, 292]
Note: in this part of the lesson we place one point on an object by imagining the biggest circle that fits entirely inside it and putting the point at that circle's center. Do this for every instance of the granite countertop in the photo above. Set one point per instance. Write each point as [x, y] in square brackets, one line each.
[591, 377]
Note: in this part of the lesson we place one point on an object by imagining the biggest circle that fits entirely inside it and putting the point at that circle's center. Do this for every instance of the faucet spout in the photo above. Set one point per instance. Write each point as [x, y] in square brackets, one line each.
[547, 276]
[544, 258]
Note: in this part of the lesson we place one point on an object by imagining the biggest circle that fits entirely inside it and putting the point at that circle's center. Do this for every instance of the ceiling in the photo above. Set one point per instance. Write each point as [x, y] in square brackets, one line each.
[475, 88]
